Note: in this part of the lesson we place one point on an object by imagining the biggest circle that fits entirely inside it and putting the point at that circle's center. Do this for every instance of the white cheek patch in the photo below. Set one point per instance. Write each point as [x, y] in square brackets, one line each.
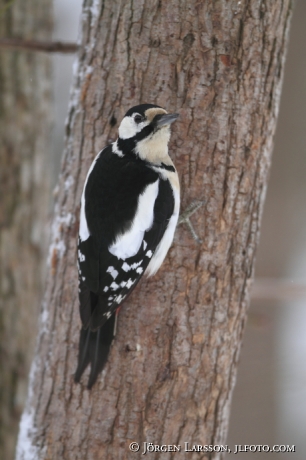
[128, 244]
[129, 128]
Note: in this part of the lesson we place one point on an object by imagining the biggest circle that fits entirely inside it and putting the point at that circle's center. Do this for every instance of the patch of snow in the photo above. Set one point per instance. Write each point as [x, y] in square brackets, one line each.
[26, 449]
[57, 242]
[68, 183]
[94, 9]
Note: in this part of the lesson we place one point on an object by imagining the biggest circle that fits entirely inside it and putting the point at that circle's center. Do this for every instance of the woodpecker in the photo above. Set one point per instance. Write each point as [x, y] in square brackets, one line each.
[129, 212]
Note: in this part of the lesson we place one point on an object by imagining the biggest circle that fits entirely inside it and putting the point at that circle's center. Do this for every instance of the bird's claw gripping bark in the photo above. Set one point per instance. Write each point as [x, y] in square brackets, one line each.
[185, 218]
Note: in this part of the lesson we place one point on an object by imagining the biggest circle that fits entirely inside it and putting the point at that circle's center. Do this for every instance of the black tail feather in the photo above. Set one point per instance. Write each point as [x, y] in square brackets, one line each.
[84, 356]
[94, 348]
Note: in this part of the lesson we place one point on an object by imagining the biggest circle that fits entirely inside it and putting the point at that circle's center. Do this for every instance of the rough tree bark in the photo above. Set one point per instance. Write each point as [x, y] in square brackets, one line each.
[172, 368]
[25, 87]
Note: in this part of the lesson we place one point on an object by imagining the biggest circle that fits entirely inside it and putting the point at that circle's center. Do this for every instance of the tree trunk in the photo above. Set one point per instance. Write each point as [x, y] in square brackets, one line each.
[171, 370]
[24, 189]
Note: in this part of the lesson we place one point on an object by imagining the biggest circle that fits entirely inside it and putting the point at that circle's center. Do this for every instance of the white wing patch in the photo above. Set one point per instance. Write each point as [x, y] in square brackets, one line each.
[114, 273]
[128, 244]
[114, 286]
[126, 267]
[81, 256]
[130, 283]
[119, 298]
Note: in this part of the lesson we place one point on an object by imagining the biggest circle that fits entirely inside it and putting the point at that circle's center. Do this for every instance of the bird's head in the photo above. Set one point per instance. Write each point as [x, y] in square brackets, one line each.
[145, 131]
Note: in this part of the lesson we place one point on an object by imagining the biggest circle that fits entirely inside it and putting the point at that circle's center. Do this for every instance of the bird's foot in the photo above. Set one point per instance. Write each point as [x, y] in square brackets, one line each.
[185, 218]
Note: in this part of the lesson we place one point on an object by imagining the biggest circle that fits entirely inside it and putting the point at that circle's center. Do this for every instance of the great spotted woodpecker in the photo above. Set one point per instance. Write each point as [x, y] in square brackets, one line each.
[129, 212]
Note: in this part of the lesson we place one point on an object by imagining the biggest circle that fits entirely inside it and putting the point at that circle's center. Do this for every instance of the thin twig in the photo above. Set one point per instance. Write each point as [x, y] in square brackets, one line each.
[35, 45]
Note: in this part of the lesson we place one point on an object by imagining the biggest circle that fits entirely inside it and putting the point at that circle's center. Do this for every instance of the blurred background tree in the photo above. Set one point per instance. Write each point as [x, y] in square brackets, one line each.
[269, 404]
[25, 125]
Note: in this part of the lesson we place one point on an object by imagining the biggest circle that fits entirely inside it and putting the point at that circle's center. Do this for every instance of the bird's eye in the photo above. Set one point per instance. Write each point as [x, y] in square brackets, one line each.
[138, 118]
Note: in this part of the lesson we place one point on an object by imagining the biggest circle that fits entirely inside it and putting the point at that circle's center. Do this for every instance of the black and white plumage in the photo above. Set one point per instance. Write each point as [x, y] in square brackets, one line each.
[129, 211]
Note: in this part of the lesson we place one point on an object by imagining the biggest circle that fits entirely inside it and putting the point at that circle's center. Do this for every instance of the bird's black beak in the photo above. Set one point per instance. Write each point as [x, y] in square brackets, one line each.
[167, 119]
